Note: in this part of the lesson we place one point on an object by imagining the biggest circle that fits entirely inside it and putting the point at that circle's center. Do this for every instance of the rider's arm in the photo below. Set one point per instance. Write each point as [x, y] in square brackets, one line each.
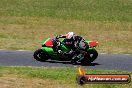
[62, 36]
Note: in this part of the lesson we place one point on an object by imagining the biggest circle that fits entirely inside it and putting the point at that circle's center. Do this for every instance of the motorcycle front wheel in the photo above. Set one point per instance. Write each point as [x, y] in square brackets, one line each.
[90, 57]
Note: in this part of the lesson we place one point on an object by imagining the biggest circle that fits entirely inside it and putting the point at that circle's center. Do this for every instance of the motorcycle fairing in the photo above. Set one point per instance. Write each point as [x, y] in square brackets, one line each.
[64, 48]
[48, 50]
[49, 43]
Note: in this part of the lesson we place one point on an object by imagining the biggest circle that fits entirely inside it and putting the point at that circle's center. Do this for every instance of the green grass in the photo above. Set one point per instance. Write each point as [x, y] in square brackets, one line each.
[93, 10]
[64, 75]
[24, 24]
[28, 33]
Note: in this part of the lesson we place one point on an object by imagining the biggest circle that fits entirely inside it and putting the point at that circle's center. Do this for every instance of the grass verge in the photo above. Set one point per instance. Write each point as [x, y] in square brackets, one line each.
[29, 77]
[24, 24]
[92, 10]
[28, 32]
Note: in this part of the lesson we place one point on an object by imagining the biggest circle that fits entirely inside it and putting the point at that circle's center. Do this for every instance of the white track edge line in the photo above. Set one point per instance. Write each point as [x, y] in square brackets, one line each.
[30, 50]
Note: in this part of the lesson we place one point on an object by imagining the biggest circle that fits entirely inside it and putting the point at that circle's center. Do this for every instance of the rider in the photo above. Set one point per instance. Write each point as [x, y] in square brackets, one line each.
[75, 42]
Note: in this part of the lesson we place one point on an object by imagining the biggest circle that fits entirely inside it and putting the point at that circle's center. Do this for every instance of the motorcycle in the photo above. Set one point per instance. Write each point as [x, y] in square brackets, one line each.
[48, 51]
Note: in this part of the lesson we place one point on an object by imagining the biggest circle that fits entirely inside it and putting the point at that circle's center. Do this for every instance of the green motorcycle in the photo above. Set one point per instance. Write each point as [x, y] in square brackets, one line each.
[48, 51]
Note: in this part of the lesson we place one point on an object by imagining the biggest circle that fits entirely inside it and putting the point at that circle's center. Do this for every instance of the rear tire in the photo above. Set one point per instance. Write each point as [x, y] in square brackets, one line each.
[39, 55]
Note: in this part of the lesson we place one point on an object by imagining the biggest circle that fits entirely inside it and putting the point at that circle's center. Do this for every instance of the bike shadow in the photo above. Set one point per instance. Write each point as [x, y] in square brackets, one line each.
[90, 64]
[68, 62]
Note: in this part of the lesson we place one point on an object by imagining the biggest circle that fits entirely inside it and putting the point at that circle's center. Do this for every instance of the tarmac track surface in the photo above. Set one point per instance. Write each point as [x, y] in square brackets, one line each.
[104, 61]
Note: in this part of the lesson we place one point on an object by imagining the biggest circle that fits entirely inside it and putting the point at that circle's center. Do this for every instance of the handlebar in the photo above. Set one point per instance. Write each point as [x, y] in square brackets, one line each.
[58, 37]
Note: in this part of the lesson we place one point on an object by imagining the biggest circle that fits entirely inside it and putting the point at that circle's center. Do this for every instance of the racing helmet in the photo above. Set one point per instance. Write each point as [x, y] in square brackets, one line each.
[70, 35]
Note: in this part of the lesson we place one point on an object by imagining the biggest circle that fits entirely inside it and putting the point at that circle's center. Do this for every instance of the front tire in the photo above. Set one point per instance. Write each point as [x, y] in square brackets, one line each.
[90, 57]
[93, 55]
[39, 55]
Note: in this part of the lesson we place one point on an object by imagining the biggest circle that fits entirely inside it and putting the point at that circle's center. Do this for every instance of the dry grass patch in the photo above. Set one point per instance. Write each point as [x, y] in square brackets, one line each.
[15, 81]
[28, 33]
[29, 77]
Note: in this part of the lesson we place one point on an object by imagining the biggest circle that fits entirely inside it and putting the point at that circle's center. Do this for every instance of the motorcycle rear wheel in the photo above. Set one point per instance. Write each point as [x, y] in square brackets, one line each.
[39, 55]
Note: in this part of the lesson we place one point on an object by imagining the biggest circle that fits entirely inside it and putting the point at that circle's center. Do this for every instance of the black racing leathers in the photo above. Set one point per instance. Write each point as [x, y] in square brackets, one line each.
[76, 44]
